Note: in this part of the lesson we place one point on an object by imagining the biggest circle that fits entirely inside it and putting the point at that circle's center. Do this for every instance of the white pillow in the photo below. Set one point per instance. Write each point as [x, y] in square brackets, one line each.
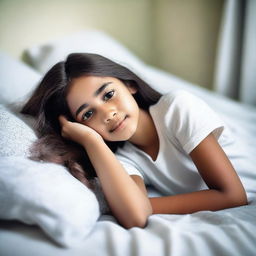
[47, 195]
[43, 57]
[16, 136]
[17, 80]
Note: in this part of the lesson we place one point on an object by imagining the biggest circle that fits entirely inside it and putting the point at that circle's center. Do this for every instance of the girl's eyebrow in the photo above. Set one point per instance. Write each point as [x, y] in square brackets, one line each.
[97, 92]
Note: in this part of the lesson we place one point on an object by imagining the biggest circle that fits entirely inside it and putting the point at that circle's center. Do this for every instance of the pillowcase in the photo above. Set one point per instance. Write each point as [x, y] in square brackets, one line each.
[43, 57]
[16, 136]
[47, 195]
[17, 80]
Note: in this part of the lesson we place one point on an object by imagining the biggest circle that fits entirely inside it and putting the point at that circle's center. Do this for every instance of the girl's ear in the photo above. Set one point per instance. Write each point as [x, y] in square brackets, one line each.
[132, 89]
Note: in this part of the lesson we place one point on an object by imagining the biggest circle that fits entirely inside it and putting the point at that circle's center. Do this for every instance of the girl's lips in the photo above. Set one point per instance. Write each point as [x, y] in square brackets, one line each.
[119, 125]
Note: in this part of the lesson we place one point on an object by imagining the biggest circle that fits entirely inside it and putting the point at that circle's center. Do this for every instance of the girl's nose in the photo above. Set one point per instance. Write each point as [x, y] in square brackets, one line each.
[109, 116]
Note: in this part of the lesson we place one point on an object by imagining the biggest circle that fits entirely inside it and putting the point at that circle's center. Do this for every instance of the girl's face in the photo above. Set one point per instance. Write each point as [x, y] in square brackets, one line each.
[104, 104]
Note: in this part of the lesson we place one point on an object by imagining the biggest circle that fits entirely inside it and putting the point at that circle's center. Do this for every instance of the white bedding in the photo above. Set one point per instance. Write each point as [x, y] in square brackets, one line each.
[226, 232]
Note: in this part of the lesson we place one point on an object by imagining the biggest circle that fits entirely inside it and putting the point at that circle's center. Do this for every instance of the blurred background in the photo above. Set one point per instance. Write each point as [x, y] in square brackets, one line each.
[183, 37]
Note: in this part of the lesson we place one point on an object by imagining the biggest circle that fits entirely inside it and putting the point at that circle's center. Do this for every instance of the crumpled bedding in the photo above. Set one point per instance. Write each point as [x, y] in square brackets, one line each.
[227, 232]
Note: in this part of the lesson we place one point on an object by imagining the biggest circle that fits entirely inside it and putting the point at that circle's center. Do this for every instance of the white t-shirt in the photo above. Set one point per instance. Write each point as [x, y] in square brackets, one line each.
[182, 121]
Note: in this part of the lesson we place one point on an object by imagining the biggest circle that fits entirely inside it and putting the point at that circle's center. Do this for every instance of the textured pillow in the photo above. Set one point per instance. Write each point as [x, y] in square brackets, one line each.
[47, 195]
[17, 80]
[16, 136]
[44, 56]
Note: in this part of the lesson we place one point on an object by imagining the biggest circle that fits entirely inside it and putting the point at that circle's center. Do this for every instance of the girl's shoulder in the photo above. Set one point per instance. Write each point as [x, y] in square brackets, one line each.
[169, 107]
[175, 98]
[179, 107]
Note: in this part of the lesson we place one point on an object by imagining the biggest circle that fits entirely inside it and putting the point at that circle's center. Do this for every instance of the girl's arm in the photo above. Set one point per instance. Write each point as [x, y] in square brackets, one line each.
[225, 188]
[127, 201]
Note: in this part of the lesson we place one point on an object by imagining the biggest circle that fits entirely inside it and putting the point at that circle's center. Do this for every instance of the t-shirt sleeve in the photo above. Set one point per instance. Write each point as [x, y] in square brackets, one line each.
[129, 166]
[191, 120]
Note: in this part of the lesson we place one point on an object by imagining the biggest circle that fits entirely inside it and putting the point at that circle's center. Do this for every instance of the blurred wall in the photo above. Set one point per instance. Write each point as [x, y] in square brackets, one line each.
[179, 36]
[24, 23]
[186, 36]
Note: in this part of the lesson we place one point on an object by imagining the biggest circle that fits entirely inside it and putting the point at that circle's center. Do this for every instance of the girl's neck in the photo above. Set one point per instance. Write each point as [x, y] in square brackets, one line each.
[146, 135]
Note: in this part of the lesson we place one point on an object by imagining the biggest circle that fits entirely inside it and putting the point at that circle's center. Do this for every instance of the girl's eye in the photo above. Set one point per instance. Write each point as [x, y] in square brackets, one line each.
[109, 95]
[87, 115]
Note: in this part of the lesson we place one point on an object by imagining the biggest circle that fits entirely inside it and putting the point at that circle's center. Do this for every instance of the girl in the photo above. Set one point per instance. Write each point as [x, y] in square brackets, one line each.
[114, 126]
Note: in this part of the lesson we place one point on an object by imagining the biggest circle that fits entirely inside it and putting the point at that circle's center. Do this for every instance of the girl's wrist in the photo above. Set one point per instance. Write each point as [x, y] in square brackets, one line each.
[91, 139]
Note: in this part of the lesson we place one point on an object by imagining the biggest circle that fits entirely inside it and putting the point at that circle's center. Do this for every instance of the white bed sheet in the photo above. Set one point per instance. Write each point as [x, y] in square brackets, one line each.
[226, 232]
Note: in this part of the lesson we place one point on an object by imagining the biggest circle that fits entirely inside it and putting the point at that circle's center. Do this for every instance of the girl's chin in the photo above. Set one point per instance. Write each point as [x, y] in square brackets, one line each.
[124, 136]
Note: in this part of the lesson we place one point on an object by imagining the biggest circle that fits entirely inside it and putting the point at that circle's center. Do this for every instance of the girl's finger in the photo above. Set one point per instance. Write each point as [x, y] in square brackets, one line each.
[62, 119]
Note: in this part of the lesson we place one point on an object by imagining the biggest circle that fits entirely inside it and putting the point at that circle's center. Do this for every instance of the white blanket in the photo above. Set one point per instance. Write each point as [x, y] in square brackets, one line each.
[228, 232]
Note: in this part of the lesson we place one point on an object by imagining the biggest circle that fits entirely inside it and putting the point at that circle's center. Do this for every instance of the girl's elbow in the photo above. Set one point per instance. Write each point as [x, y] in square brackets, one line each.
[136, 223]
[238, 199]
[242, 200]
[140, 221]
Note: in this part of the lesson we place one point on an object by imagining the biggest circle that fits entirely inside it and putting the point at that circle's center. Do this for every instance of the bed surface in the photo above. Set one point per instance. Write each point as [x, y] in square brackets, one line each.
[227, 232]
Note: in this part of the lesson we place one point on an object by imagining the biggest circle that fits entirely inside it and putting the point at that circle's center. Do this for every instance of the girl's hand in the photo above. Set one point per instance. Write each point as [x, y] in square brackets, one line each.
[77, 132]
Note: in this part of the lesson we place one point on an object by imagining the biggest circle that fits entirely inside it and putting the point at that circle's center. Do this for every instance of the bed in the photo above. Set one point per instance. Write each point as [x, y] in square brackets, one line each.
[36, 220]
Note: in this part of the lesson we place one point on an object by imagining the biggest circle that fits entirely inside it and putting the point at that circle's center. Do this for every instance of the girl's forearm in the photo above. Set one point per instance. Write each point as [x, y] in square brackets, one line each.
[211, 200]
[127, 202]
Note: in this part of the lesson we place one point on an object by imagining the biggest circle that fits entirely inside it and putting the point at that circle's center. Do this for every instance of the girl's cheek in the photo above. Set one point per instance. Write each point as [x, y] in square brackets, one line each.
[95, 126]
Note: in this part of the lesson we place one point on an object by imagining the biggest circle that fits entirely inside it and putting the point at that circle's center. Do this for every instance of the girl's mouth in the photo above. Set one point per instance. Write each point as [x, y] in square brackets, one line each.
[119, 125]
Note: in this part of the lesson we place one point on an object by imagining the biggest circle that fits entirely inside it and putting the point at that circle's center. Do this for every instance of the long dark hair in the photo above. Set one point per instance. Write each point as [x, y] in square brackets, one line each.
[49, 101]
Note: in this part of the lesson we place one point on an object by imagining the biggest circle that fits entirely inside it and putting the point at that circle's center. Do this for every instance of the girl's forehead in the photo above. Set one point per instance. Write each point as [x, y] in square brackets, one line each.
[90, 80]
[86, 83]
